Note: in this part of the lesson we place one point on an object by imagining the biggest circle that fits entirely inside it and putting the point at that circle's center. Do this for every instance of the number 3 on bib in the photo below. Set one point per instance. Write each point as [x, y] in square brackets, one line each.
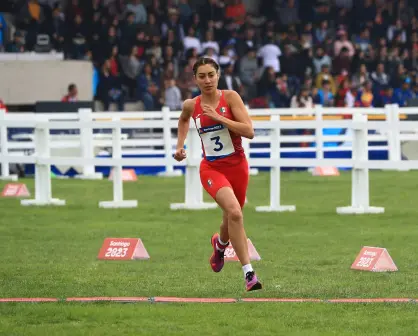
[218, 143]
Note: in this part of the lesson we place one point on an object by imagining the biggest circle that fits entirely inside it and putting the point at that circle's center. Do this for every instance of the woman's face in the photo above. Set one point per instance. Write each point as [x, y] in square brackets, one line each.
[207, 78]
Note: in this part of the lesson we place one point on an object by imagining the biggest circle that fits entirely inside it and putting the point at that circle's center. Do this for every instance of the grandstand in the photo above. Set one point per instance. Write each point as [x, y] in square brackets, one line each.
[64, 62]
[342, 53]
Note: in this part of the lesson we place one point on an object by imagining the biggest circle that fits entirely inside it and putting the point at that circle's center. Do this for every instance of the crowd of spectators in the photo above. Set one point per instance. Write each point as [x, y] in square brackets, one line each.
[275, 53]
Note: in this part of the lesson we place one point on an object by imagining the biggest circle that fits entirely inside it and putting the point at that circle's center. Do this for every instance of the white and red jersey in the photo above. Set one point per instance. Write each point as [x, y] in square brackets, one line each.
[219, 144]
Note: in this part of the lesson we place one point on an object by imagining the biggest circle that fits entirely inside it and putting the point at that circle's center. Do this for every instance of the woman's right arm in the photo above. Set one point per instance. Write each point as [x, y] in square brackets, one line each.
[184, 122]
[183, 128]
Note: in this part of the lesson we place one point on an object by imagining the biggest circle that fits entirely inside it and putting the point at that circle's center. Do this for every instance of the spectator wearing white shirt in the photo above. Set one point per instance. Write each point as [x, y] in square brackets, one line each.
[139, 10]
[192, 42]
[302, 99]
[343, 42]
[172, 95]
[210, 43]
[270, 54]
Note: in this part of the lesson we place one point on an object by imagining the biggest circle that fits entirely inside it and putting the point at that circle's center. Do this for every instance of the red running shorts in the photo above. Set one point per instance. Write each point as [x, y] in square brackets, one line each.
[235, 176]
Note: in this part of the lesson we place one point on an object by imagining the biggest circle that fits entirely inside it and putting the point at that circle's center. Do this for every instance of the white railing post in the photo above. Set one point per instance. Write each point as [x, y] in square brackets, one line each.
[87, 147]
[43, 184]
[4, 151]
[360, 203]
[319, 132]
[193, 187]
[275, 183]
[168, 146]
[116, 172]
[246, 148]
[394, 141]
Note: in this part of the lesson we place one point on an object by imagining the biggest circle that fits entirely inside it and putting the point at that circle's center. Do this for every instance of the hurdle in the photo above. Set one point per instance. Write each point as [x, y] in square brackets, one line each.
[43, 185]
[118, 201]
[275, 187]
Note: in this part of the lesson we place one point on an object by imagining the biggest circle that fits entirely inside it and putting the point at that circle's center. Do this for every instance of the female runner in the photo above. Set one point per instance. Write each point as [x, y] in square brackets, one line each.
[221, 120]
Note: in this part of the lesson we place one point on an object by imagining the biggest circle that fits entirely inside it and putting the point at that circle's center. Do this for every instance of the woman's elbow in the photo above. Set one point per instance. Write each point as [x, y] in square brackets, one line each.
[250, 134]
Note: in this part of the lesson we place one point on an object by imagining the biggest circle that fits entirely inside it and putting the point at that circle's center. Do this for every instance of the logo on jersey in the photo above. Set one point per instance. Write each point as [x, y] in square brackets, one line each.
[222, 109]
[209, 182]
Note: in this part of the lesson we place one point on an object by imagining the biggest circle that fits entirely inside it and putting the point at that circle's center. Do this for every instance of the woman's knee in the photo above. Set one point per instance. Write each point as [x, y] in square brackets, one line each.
[234, 215]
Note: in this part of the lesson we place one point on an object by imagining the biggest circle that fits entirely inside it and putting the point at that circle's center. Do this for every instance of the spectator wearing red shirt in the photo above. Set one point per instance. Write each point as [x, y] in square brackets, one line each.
[72, 94]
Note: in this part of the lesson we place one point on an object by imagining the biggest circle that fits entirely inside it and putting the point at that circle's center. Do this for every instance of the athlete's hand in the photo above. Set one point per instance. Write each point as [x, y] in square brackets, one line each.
[210, 112]
[180, 154]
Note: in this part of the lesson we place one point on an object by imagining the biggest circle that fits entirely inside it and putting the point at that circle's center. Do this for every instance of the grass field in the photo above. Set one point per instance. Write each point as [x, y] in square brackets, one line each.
[52, 252]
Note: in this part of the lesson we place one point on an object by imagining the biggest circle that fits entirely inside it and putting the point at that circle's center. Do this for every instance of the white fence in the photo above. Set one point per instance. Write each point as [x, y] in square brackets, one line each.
[392, 130]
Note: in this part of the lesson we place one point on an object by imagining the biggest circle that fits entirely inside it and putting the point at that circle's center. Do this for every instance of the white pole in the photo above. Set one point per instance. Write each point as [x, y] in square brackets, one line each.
[116, 171]
[319, 132]
[275, 181]
[168, 147]
[117, 168]
[360, 203]
[87, 146]
[194, 189]
[395, 151]
[246, 148]
[4, 151]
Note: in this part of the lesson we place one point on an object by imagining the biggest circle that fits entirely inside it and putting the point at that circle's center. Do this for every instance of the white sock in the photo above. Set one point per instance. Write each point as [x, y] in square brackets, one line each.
[247, 268]
[221, 242]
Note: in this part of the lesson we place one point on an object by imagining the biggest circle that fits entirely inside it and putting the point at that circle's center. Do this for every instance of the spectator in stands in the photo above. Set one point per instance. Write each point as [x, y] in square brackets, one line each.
[32, 17]
[131, 67]
[110, 89]
[270, 53]
[403, 94]
[325, 96]
[302, 99]
[172, 95]
[384, 97]
[379, 77]
[365, 96]
[342, 42]
[249, 73]
[229, 81]
[72, 94]
[78, 33]
[139, 10]
[361, 76]
[325, 75]
[18, 43]
[320, 59]
[57, 29]
[147, 86]
[343, 88]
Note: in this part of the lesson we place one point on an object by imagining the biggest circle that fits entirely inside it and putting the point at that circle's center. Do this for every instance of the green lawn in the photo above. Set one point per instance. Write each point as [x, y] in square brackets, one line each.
[52, 252]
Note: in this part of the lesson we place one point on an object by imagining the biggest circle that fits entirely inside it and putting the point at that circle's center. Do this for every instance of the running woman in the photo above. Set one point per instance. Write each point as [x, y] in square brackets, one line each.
[221, 120]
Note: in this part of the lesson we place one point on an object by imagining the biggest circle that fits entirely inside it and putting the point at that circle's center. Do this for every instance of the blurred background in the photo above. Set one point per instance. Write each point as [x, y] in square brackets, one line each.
[138, 54]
